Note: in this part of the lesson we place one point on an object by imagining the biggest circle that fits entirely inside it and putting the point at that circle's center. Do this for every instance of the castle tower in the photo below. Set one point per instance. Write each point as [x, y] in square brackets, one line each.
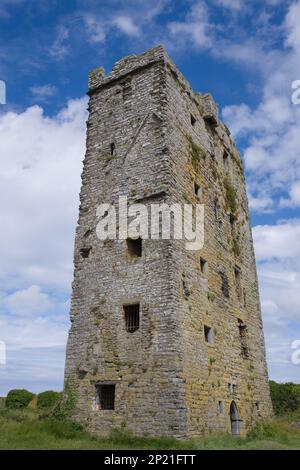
[164, 341]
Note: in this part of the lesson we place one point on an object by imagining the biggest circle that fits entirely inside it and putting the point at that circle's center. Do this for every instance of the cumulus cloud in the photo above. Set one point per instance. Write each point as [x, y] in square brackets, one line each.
[39, 186]
[277, 241]
[41, 161]
[272, 152]
[277, 250]
[27, 301]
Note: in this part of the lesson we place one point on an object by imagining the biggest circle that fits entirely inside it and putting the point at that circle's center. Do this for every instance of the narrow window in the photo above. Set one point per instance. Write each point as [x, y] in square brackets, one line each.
[203, 265]
[217, 212]
[244, 297]
[126, 90]
[225, 284]
[132, 317]
[234, 388]
[226, 160]
[134, 247]
[193, 120]
[232, 222]
[208, 335]
[257, 405]
[237, 275]
[85, 252]
[112, 148]
[243, 339]
[221, 408]
[197, 189]
[106, 396]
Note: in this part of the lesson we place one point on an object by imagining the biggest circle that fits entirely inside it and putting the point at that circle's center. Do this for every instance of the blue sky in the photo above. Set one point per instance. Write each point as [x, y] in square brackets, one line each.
[246, 53]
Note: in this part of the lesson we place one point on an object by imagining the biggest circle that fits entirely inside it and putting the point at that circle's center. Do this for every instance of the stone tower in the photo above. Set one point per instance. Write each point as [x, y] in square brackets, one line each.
[164, 341]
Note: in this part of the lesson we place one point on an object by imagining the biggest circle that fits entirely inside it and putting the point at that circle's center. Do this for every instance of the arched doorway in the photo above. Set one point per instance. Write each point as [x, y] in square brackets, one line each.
[234, 419]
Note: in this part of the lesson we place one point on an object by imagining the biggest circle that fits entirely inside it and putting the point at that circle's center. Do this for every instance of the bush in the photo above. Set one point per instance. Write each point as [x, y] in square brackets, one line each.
[47, 399]
[17, 399]
[285, 397]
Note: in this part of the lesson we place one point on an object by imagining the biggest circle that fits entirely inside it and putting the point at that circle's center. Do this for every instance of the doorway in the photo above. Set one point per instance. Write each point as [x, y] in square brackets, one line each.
[235, 420]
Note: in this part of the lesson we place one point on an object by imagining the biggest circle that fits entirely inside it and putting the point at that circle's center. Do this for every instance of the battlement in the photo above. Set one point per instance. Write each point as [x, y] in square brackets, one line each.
[134, 63]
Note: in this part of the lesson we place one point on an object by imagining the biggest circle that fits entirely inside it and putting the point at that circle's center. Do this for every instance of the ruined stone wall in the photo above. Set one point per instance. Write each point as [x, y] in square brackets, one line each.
[197, 147]
[145, 365]
[169, 381]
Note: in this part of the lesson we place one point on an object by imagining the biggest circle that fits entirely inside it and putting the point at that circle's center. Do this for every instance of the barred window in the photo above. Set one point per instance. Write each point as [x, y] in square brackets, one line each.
[106, 396]
[132, 317]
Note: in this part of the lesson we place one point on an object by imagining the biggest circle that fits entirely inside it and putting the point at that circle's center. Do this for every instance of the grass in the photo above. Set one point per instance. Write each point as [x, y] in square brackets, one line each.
[28, 429]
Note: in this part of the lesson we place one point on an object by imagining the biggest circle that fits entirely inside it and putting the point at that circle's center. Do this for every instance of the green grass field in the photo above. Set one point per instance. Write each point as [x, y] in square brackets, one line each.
[28, 429]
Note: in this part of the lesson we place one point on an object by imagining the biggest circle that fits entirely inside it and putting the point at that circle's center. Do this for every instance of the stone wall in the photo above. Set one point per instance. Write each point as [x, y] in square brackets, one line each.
[169, 380]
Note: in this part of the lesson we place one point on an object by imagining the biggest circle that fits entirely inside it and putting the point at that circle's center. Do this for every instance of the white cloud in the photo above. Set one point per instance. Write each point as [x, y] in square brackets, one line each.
[272, 154]
[261, 204]
[95, 28]
[126, 25]
[277, 250]
[27, 301]
[44, 92]
[194, 29]
[60, 48]
[41, 160]
[277, 241]
[292, 24]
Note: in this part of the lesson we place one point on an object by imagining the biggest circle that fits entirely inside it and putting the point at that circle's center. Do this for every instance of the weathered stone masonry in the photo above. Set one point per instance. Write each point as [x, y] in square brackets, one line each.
[197, 361]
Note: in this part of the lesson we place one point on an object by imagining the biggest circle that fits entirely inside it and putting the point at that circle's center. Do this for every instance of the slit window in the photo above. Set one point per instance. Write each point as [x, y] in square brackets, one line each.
[106, 396]
[112, 149]
[243, 339]
[221, 408]
[226, 160]
[197, 189]
[132, 317]
[134, 247]
[208, 334]
[193, 120]
[237, 275]
[203, 265]
[244, 297]
[225, 284]
[217, 212]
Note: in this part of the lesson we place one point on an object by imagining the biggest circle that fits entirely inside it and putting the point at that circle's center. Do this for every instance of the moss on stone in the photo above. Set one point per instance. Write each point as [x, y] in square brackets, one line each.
[230, 195]
[197, 153]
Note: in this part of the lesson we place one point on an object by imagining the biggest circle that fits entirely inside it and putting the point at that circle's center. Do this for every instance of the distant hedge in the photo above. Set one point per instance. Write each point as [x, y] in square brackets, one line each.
[47, 399]
[17, 399]
[285, 397]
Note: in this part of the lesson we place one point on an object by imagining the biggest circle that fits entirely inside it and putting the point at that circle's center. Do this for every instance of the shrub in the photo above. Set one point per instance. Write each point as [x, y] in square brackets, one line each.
[285, 397]
[17, 399]
[47, 399]
[65, 404]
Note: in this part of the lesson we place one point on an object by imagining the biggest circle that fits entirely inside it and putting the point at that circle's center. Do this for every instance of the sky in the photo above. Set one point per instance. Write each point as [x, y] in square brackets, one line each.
[245, 52]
